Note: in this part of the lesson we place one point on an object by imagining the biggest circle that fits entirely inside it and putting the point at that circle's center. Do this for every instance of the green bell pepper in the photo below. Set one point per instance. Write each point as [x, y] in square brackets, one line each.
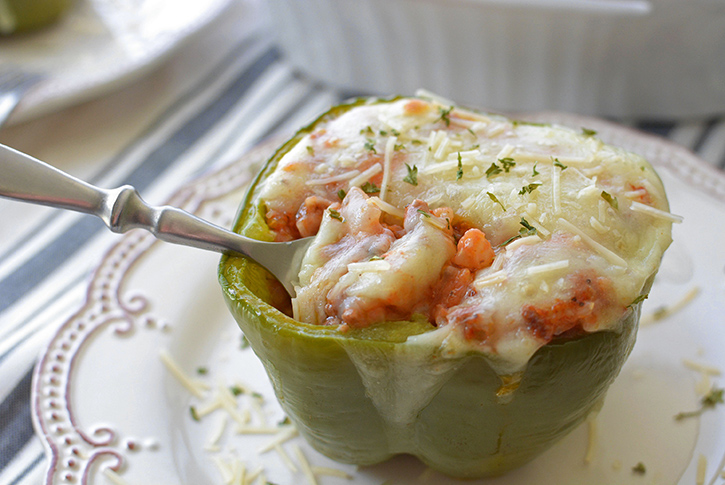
[24, 15]
[368, 394]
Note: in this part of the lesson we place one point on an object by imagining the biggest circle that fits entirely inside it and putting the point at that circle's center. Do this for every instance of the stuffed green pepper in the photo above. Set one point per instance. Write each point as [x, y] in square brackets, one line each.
[473, 287]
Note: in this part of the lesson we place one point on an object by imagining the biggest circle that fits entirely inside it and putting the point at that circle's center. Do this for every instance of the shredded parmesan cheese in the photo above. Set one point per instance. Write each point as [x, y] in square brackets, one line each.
[598, 226]
[378, 265]
[224, 469]
[385, 207]
[701, 470]
[193, 386]
[546, 268]
[606, 253]
[703, 368]
[334, 178]
[305, 465]
[331, 472]
[387, 160]
[365, 176]
[285, 458]
[667, 311]
[284, 435]
[490, 279]
[213, 442]
[555, 188]
[522, 241]
[644, 208]
[505, 152]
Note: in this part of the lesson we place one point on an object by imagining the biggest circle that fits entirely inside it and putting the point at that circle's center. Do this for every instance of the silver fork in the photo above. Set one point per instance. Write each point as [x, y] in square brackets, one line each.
[14, 83]
[27, 179]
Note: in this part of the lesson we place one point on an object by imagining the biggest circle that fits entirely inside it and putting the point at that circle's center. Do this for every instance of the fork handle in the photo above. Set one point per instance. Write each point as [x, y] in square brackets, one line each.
[28, 179]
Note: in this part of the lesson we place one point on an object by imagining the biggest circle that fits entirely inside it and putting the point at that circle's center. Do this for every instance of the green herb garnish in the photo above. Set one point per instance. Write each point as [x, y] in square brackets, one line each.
[367, 131]
[712, 399]
[459, 174]
[639, 469]
[398, 146]
[493, 170]
[194, 414]
[335, 215]
[495, 199]
[526, 230]
[527, 189]
[236, 390]
[557, 163]
[341, 194]
[588, 132]
[202, 371]
[507, 163]
[370, 188]
[445, 115]
[535, 172]
[412, 177]
[423, 213]
[310, 150]
[610, 200]
[370, 145]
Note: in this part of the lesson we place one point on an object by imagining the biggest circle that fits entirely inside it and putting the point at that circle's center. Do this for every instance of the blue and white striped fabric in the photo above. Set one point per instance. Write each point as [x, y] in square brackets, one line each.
[248, 96]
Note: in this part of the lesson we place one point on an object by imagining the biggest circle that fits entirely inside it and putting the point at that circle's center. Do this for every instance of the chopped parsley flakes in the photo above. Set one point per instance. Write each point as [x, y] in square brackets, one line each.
[712, 399]
[507, 163]
[495, 199]
[557, 163]
[611, 200]
[526, 230]
[335, 215]
[527, 189]
[370, 145]
[412, 177]
[459, 173]
[445, 115]
[370, 188]
[493, 170]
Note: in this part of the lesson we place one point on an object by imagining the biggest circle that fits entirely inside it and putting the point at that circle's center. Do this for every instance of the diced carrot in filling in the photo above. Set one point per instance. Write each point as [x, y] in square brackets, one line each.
[309, 215]
[283, 225]
[644, 197]
[590, 297]
[474, 251]
[415, 107]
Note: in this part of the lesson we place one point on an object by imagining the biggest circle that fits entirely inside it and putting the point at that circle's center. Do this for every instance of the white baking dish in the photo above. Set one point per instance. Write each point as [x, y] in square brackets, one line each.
[644, 58]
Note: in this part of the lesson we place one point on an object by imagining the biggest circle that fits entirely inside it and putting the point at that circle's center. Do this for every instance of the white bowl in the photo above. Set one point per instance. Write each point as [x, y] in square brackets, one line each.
[643, 58]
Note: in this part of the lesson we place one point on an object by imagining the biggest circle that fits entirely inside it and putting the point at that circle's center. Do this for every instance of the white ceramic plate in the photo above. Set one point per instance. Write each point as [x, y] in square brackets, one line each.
[99, 45]
[110, 411]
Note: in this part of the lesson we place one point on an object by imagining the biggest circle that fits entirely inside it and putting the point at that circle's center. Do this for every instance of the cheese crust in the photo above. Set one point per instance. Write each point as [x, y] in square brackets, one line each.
[504, 235]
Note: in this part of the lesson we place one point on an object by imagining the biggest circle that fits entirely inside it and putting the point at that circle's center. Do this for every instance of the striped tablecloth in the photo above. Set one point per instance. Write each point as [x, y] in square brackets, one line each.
[219, 95]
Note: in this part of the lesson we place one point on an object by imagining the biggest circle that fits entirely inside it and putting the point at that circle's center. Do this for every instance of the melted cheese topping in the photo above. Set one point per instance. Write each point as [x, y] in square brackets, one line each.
[574, 227]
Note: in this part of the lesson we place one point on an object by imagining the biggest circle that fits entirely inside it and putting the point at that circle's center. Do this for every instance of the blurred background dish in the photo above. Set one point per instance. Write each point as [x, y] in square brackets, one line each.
[98, 45]
[22, 15]
[618, 58]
